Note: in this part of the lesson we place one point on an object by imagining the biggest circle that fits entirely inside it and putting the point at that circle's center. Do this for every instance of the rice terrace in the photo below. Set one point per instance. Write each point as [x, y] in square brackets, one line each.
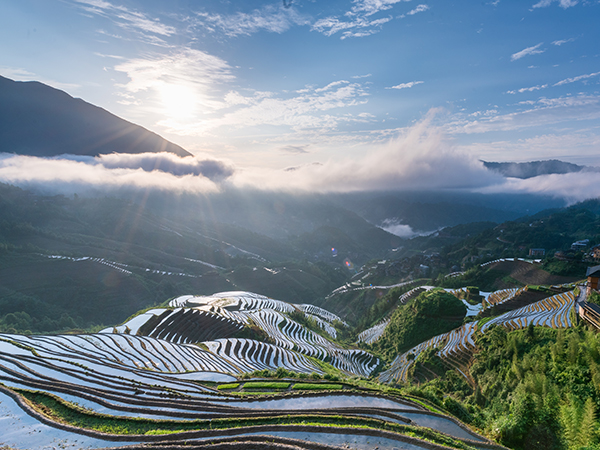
[299, 225]
[237, 368]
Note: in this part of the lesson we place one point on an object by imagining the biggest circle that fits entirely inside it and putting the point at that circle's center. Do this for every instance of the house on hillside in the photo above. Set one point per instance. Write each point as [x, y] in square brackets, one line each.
[537, 252]
[580, 245]
[595, 252]
[590, 313]
[593, 278]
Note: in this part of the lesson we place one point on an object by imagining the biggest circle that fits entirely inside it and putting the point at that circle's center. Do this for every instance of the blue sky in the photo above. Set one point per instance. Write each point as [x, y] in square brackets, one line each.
[276, 84]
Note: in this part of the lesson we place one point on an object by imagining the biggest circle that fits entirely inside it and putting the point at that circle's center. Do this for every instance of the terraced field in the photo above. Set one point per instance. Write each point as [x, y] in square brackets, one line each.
[174, 375]
[150, 381]
[551, 312]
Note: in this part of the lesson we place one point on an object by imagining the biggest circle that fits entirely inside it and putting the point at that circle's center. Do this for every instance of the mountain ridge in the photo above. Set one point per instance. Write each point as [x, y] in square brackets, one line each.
[39, 120]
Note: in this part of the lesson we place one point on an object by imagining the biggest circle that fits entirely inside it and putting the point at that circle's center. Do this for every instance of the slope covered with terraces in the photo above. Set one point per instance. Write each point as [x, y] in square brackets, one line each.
[152, 381]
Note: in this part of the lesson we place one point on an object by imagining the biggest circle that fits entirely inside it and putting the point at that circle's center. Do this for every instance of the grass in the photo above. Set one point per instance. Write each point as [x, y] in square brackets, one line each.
[64, 412]
[266, 385]
[228, 386]
[316, 386]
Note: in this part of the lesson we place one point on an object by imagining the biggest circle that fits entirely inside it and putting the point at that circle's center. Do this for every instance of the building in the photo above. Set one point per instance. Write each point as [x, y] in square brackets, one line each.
[593, 278]
[580, 245]
[537, 252]
[590, 313]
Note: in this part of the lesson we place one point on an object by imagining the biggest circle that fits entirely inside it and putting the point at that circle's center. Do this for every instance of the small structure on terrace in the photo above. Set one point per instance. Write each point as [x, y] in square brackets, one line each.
[593, 278]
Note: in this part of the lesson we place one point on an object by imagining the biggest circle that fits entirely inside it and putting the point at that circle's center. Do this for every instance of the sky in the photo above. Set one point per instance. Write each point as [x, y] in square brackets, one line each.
[333, 87]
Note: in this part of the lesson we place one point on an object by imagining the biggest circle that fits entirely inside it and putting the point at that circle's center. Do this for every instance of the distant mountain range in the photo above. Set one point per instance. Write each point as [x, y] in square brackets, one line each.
[533, 168]
[38, 120]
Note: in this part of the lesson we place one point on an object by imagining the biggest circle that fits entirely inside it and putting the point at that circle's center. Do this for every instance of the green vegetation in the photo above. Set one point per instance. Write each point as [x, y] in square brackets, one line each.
[532, 388]
[316, 386]
[266, 385]
[228, 386]
[65, 412]
[431, 313]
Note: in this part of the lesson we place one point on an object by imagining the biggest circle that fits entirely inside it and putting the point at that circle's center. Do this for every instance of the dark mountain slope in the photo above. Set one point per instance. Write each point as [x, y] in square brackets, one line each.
[38, 120]
[533, 168]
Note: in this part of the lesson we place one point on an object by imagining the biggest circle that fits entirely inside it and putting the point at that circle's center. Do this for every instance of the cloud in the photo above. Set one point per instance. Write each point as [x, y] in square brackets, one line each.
[535, 50]
[575, 79]
[394, 226]
[181, 86]
[574, 187]
[366, 27]
[528, 89]
[270, 18]
[294, 149]
[128, 19]
[577, 147]
[311, 108]
[412, 12]
[83, 175]
[359, 22]
[563, 3]
[562, 41]
[370, 7]
[168, 162]
[542, 112]
[405, 85]
[420, 159]
[20, 74]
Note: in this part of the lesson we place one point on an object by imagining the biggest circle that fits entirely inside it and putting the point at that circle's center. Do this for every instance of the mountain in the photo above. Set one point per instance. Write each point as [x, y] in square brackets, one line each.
[429, 211]
[38, 120]
[533, 168]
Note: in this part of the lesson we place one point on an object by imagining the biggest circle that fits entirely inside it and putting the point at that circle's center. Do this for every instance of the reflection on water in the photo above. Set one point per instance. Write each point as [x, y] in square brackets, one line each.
[324, 402]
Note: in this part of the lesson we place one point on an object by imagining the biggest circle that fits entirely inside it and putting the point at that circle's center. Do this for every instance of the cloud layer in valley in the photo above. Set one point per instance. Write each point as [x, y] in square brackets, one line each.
[421, 158]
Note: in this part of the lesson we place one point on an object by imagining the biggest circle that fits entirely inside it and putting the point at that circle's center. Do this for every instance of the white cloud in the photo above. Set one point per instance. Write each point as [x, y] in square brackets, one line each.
[528, 89]
[405, 85]
[421, 158]
[359, 22]
[366, 27]
[270, 18]
[579, 147]
[412, 12]
[20, 74]
[294, 149]
[128, 19]
[563, 3]
[535, 50]
[574, 187]
[167, 162]
[562, 41]
[542, 112]
[575, 79]
[370, 7]
[181, 86]
[396, 227]
[81, 175]
[312, 108]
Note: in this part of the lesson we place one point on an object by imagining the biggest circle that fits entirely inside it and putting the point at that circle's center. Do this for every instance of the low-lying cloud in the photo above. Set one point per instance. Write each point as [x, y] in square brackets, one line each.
[422, 158]
[397, 228]
[76, 174]
[168, 162]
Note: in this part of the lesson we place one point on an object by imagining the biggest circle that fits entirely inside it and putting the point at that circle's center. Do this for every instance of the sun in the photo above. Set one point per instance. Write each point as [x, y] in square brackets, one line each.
[179, 101]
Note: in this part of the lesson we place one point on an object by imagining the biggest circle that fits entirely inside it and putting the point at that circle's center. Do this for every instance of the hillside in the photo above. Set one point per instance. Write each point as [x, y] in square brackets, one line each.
[532, 168]
[431, 313]
[245, 357]
[69, 257]
[38, 120]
